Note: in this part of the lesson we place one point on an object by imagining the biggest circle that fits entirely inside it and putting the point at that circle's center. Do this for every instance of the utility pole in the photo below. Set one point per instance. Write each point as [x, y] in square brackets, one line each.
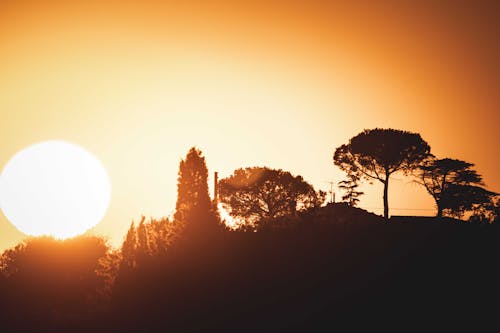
[332, 193]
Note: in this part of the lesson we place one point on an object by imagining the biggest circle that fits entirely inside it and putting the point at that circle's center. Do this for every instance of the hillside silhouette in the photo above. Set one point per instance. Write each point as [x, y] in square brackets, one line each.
[346, 267]
[306, 267]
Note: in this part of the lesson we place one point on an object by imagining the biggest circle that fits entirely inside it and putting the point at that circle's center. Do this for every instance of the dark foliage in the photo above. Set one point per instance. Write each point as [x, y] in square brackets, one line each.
[148, 239]
[335, 267]
[378, 153]
[488, 213]
[349, 186]
[454, 185]
[49, 284]
[194, 208]
[259, 195]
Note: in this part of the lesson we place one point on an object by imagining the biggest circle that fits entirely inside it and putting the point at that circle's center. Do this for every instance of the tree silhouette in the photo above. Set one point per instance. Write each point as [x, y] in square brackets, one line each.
[459, 199]
[149, 238]
[54, 280]
[107, 269]
[194, 208]
[260, 194]
[161, 233]
[129, 247]
[488, 212]
[349, 186]
[454, 185]
[142, 241]
[376, 154]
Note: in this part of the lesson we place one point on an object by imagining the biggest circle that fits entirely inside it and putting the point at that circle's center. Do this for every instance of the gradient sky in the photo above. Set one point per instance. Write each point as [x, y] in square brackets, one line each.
[274, 83]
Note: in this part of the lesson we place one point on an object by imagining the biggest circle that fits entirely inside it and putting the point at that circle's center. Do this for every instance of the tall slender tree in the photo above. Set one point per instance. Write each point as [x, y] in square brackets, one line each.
[376, 154]
[194, 207]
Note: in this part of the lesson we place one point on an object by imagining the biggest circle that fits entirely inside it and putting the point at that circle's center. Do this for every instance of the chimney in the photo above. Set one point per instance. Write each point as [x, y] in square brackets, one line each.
[216, 187]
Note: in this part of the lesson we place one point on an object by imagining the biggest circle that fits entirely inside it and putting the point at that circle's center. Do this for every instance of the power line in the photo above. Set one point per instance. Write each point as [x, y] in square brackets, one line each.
[391, 208]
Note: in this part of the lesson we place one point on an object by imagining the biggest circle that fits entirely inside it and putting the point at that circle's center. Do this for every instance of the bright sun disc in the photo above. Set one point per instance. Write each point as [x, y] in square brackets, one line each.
[54, 188]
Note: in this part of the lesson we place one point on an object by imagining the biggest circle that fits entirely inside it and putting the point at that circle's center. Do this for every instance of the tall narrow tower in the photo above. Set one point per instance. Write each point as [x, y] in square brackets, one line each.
[216, 187]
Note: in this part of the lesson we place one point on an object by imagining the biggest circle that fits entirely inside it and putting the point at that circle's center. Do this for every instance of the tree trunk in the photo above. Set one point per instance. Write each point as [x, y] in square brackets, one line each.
[440, 210]
[386, 200]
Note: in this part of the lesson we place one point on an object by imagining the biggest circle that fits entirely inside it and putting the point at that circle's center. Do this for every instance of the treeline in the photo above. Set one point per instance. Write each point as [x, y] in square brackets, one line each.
[340, 267]
[257, 194]
[289, 263]
[377, 154]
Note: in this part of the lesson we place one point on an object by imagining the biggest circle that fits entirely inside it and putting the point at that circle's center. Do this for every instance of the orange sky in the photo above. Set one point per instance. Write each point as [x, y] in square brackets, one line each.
[275, 83]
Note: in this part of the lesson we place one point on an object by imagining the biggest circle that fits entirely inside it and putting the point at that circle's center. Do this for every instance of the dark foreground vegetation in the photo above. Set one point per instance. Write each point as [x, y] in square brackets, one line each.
[348, 269]
[340, 267]
[293, 265]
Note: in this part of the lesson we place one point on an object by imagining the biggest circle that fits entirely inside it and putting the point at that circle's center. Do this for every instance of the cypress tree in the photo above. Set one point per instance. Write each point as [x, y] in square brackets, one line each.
[194, 207]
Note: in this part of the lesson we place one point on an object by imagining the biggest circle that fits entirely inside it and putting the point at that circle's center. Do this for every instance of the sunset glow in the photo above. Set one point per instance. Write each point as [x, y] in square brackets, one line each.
[261, 83]
[249, 166]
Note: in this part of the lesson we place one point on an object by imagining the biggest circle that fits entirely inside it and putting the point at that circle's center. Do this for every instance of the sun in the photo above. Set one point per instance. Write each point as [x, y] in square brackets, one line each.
[54, 188]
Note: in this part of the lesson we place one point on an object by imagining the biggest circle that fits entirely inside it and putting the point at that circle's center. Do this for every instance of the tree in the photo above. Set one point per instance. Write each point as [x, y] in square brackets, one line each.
[161, 234]
[142, 247]
[459, 199]
[349, 186]
[194, 207]
[150, 238]
[376, 154]
[50, 276]
[260, 194]
[129, 247]
[107, 269]
[454, 185]
[488, 212]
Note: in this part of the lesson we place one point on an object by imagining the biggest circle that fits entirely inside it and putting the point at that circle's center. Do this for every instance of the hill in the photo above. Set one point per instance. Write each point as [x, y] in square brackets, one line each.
[330, 269]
